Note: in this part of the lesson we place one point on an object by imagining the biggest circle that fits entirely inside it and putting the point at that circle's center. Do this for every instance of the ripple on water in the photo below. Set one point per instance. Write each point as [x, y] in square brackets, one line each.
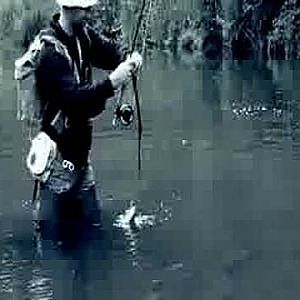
[7, 264]
[14, 275]
[39, 287]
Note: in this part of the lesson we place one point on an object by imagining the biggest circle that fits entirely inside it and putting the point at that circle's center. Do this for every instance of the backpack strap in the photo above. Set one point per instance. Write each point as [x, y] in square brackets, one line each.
[48, 36]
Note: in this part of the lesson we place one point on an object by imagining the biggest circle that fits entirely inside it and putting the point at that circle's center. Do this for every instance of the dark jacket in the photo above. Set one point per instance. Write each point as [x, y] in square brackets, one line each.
[59, 90]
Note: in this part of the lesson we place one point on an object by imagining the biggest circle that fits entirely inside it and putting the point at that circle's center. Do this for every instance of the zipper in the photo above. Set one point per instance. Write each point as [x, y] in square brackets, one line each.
[80, 53]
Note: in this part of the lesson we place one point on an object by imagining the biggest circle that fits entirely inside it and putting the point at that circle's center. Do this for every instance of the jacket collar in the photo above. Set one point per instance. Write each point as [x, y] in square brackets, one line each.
[61, 34]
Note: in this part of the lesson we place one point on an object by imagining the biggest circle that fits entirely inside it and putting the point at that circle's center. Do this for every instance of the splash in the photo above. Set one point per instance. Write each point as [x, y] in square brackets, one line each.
[132, 222]
[131, 218]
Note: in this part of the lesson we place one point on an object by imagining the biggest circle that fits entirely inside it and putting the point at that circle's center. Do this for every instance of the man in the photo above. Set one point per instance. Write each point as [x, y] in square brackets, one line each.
[64, 84]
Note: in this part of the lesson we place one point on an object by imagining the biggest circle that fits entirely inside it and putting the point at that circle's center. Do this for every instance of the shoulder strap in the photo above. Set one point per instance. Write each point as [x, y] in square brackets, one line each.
[48, 36]
[85, 31]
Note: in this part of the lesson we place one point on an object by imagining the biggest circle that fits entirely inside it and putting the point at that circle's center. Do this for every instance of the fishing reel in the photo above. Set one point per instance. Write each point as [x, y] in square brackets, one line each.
[124, 115]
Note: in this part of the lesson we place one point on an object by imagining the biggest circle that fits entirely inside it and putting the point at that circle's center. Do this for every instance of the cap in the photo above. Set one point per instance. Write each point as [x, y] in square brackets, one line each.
[76, 3]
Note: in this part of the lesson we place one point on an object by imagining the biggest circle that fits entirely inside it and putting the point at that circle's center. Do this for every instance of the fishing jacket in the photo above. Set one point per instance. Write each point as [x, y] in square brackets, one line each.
[64, 82]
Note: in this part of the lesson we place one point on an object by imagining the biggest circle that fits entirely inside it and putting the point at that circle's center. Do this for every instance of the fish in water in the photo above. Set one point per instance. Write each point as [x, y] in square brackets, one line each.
[125, 220]
[131, 218]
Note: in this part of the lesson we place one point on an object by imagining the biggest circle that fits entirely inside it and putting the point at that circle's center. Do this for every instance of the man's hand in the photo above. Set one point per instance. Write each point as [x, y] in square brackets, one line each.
[136, 60]
[123, 72]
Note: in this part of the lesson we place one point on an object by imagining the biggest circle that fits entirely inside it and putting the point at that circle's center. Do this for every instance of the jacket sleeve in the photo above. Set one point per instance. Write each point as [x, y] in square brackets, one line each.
[104, 53]
[56, 82]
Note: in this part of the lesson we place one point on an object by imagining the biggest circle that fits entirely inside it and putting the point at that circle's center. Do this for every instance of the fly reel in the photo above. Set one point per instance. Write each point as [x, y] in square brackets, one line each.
[123, 115]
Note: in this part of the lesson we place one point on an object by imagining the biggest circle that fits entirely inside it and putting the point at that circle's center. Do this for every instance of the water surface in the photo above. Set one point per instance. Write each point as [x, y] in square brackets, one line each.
[217, 200]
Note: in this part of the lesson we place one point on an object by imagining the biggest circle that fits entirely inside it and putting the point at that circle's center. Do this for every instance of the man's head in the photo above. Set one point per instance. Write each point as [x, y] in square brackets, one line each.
[76, 11]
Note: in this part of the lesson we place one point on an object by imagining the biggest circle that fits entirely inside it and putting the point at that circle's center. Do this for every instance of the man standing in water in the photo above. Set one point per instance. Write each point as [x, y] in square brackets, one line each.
[64, 84]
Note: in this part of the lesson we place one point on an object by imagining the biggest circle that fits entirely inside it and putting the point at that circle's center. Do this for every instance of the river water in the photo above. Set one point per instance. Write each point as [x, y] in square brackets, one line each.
[217, 200]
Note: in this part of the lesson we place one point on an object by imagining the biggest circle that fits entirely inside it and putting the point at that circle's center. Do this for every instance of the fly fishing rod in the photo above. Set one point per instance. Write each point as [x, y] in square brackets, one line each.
[135, 89]
[124, 113]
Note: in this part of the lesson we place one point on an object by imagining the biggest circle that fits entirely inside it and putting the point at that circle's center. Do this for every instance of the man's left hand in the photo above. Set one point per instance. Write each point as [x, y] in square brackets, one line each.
[136, 60]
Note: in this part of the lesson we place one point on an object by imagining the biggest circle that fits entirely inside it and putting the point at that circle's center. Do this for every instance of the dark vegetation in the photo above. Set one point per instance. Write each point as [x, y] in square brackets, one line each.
[242, 30]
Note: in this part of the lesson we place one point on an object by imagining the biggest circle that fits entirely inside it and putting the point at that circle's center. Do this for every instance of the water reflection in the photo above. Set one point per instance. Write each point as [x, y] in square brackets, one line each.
[277, 107]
